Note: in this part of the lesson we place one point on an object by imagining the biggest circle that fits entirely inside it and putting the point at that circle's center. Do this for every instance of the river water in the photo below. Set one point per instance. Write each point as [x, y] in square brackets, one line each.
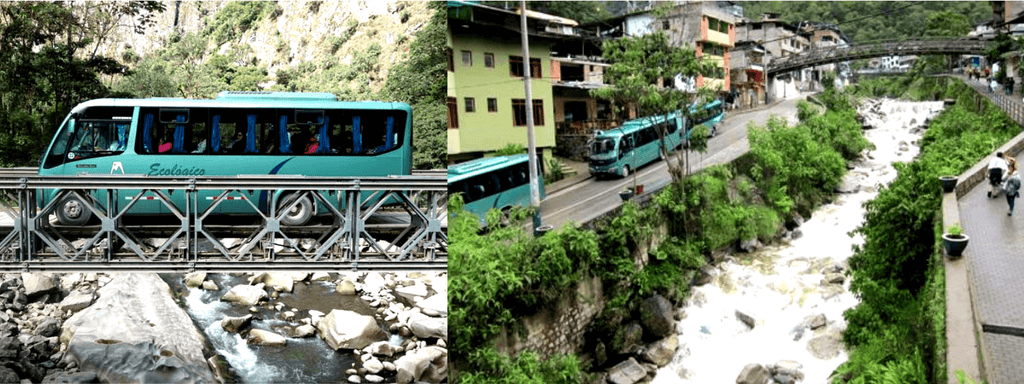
[781, 286]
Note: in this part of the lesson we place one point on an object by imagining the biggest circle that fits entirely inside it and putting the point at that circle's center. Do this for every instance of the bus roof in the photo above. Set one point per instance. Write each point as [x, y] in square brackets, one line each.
[635, 125]
[297, 100]
[475, 167]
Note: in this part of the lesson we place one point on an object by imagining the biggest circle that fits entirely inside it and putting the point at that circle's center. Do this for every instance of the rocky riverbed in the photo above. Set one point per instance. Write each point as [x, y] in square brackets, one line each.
[284, 327]
[774, 314]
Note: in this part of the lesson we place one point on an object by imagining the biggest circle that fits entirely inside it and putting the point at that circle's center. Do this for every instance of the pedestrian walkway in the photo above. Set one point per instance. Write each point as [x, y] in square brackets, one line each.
[995, 273]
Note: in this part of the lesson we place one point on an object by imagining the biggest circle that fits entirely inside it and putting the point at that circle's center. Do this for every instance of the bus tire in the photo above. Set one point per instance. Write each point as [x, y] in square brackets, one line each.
[506, 216]
[300, 213]
[714, 131]
[661, 154]
[72, 211]
[625, 171]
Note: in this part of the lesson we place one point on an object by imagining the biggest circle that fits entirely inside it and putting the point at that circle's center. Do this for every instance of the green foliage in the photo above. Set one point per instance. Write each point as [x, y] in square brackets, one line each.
[510, 149]
[899, 280]
[524, 368]
[236, 18]
[955, 229]
[866, 21]
[948, 24]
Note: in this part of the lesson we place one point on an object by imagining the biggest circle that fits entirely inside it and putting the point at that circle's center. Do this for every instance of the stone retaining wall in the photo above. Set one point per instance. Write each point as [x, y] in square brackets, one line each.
[559, 329]
[571, 146]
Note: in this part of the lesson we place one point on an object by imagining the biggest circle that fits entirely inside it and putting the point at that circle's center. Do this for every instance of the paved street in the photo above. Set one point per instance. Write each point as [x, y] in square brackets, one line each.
[590, 198]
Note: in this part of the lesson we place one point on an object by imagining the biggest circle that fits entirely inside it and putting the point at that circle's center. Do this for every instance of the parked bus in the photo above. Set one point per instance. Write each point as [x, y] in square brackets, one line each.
[710, 115]
[499, 183]
[637, 142]
[251, 133]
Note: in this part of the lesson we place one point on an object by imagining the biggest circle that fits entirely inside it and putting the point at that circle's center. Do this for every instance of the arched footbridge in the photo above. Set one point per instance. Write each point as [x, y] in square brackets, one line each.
[836, 54]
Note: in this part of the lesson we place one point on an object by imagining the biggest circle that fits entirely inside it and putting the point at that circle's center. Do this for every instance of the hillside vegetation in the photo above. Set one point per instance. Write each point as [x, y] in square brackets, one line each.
[358, 50]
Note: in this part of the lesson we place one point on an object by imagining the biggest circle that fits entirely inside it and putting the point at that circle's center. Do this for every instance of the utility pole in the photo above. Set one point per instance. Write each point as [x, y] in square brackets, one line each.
[534, 183]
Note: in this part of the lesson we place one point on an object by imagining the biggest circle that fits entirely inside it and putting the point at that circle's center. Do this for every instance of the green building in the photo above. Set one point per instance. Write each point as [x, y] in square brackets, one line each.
[486, 96]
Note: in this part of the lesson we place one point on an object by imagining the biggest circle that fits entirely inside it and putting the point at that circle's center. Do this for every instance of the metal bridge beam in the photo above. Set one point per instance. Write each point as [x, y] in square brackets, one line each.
[352, 242]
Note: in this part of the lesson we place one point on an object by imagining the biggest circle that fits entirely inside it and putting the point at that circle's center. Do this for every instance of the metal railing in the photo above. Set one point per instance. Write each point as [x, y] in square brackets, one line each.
[371, 223]
[1011, 104]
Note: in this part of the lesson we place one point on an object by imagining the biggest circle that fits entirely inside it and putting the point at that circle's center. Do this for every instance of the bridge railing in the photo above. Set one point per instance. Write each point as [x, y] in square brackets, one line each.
[371, 223]
[902, 46]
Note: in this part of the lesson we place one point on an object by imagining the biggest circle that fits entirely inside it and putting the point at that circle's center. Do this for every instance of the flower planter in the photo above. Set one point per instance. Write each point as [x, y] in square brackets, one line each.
[954, 244]
[626, 194]
[948, 183]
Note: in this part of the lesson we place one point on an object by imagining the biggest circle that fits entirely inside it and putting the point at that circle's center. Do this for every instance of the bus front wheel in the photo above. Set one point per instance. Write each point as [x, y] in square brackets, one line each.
[625, 171]
[300, 213]
[73, 211]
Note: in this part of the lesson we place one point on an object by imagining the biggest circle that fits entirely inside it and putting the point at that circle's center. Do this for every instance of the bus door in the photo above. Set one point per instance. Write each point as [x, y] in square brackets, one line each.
[626, 153]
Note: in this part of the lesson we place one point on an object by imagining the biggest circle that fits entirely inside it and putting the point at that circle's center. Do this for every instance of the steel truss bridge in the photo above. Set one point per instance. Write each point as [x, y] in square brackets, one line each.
[836, 54]
[364, 234]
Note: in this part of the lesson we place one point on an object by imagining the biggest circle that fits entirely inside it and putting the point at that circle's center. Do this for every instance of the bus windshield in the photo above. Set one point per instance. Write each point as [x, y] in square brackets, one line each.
[602, 146]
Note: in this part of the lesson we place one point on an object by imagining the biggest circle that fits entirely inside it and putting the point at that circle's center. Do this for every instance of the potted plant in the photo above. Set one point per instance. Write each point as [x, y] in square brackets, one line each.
[954, 240]
[626, 193]
[948, 179]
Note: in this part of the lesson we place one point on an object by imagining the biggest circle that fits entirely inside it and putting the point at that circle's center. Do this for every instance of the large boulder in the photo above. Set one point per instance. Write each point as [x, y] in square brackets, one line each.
[281, 281]
[38, 284]
[412, 292]
[261, 337]
[77, 301]
[135, 332]
[349, 330]
[244, 294]
[626, 372]
[49, 327]
[661, 352]
[437, 303]
[656, 316]
[374, 282]
[234, 324]
[424, 326]
[428, 364]
[346, 287]
[627, 339]
[753, 374]
[195, 279]
[383, 348]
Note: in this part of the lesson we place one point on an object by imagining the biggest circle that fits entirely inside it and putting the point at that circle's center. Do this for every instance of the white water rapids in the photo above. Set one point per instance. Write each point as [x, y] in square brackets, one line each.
[781, 286]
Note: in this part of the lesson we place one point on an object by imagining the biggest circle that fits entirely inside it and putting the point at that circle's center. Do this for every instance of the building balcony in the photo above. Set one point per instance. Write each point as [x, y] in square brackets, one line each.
[718, 38]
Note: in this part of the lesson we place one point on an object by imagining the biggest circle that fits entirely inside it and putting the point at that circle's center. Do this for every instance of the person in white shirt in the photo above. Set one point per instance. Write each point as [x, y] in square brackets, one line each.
[996, 168]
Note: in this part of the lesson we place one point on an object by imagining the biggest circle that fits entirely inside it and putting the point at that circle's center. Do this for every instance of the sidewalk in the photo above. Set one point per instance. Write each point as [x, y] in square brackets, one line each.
[994, 263]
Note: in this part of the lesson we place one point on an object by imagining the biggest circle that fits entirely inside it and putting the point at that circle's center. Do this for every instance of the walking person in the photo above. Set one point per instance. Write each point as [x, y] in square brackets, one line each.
[1012, 187]
[996, 168]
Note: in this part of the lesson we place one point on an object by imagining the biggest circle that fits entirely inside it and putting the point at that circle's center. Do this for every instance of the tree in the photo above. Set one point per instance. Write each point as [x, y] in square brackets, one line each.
[421, 82]
[640, 67]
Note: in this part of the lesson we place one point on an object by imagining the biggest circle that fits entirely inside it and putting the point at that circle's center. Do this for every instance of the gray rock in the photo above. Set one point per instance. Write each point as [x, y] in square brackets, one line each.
[746, 317]
[261, 337]
[210, 285]
[782, 378]
[38, 284]
[77, 301]
[626, 372]
[247, 295]
[280, 281]
[705, 275]
[195, 279]
[437, 303]
[373, 365]
[833, 278]
[787, 369]
[136, 332]
[374, 378]
[656, 316]
[304, 330]
[48, 327]
[234, 324]
[346, 287]
[427, 364]
[796, 233]
[412, 292]
[750, 245]
[425, 327]
[354, 379]
[320, 276]
[753, 374]
[660, 352]
[627, 339]
[824, 347]
[817, 321]
[382, 348]
[8, 375]
[349, 330]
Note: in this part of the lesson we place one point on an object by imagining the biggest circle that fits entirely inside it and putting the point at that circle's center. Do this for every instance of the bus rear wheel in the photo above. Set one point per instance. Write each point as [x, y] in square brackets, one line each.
[300, 213]
[72, 211]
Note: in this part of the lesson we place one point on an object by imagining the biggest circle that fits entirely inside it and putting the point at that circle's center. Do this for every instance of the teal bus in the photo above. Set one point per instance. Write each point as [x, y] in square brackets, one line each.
[238, 133]
[634, 144]
[500, 182]
[711, 115]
